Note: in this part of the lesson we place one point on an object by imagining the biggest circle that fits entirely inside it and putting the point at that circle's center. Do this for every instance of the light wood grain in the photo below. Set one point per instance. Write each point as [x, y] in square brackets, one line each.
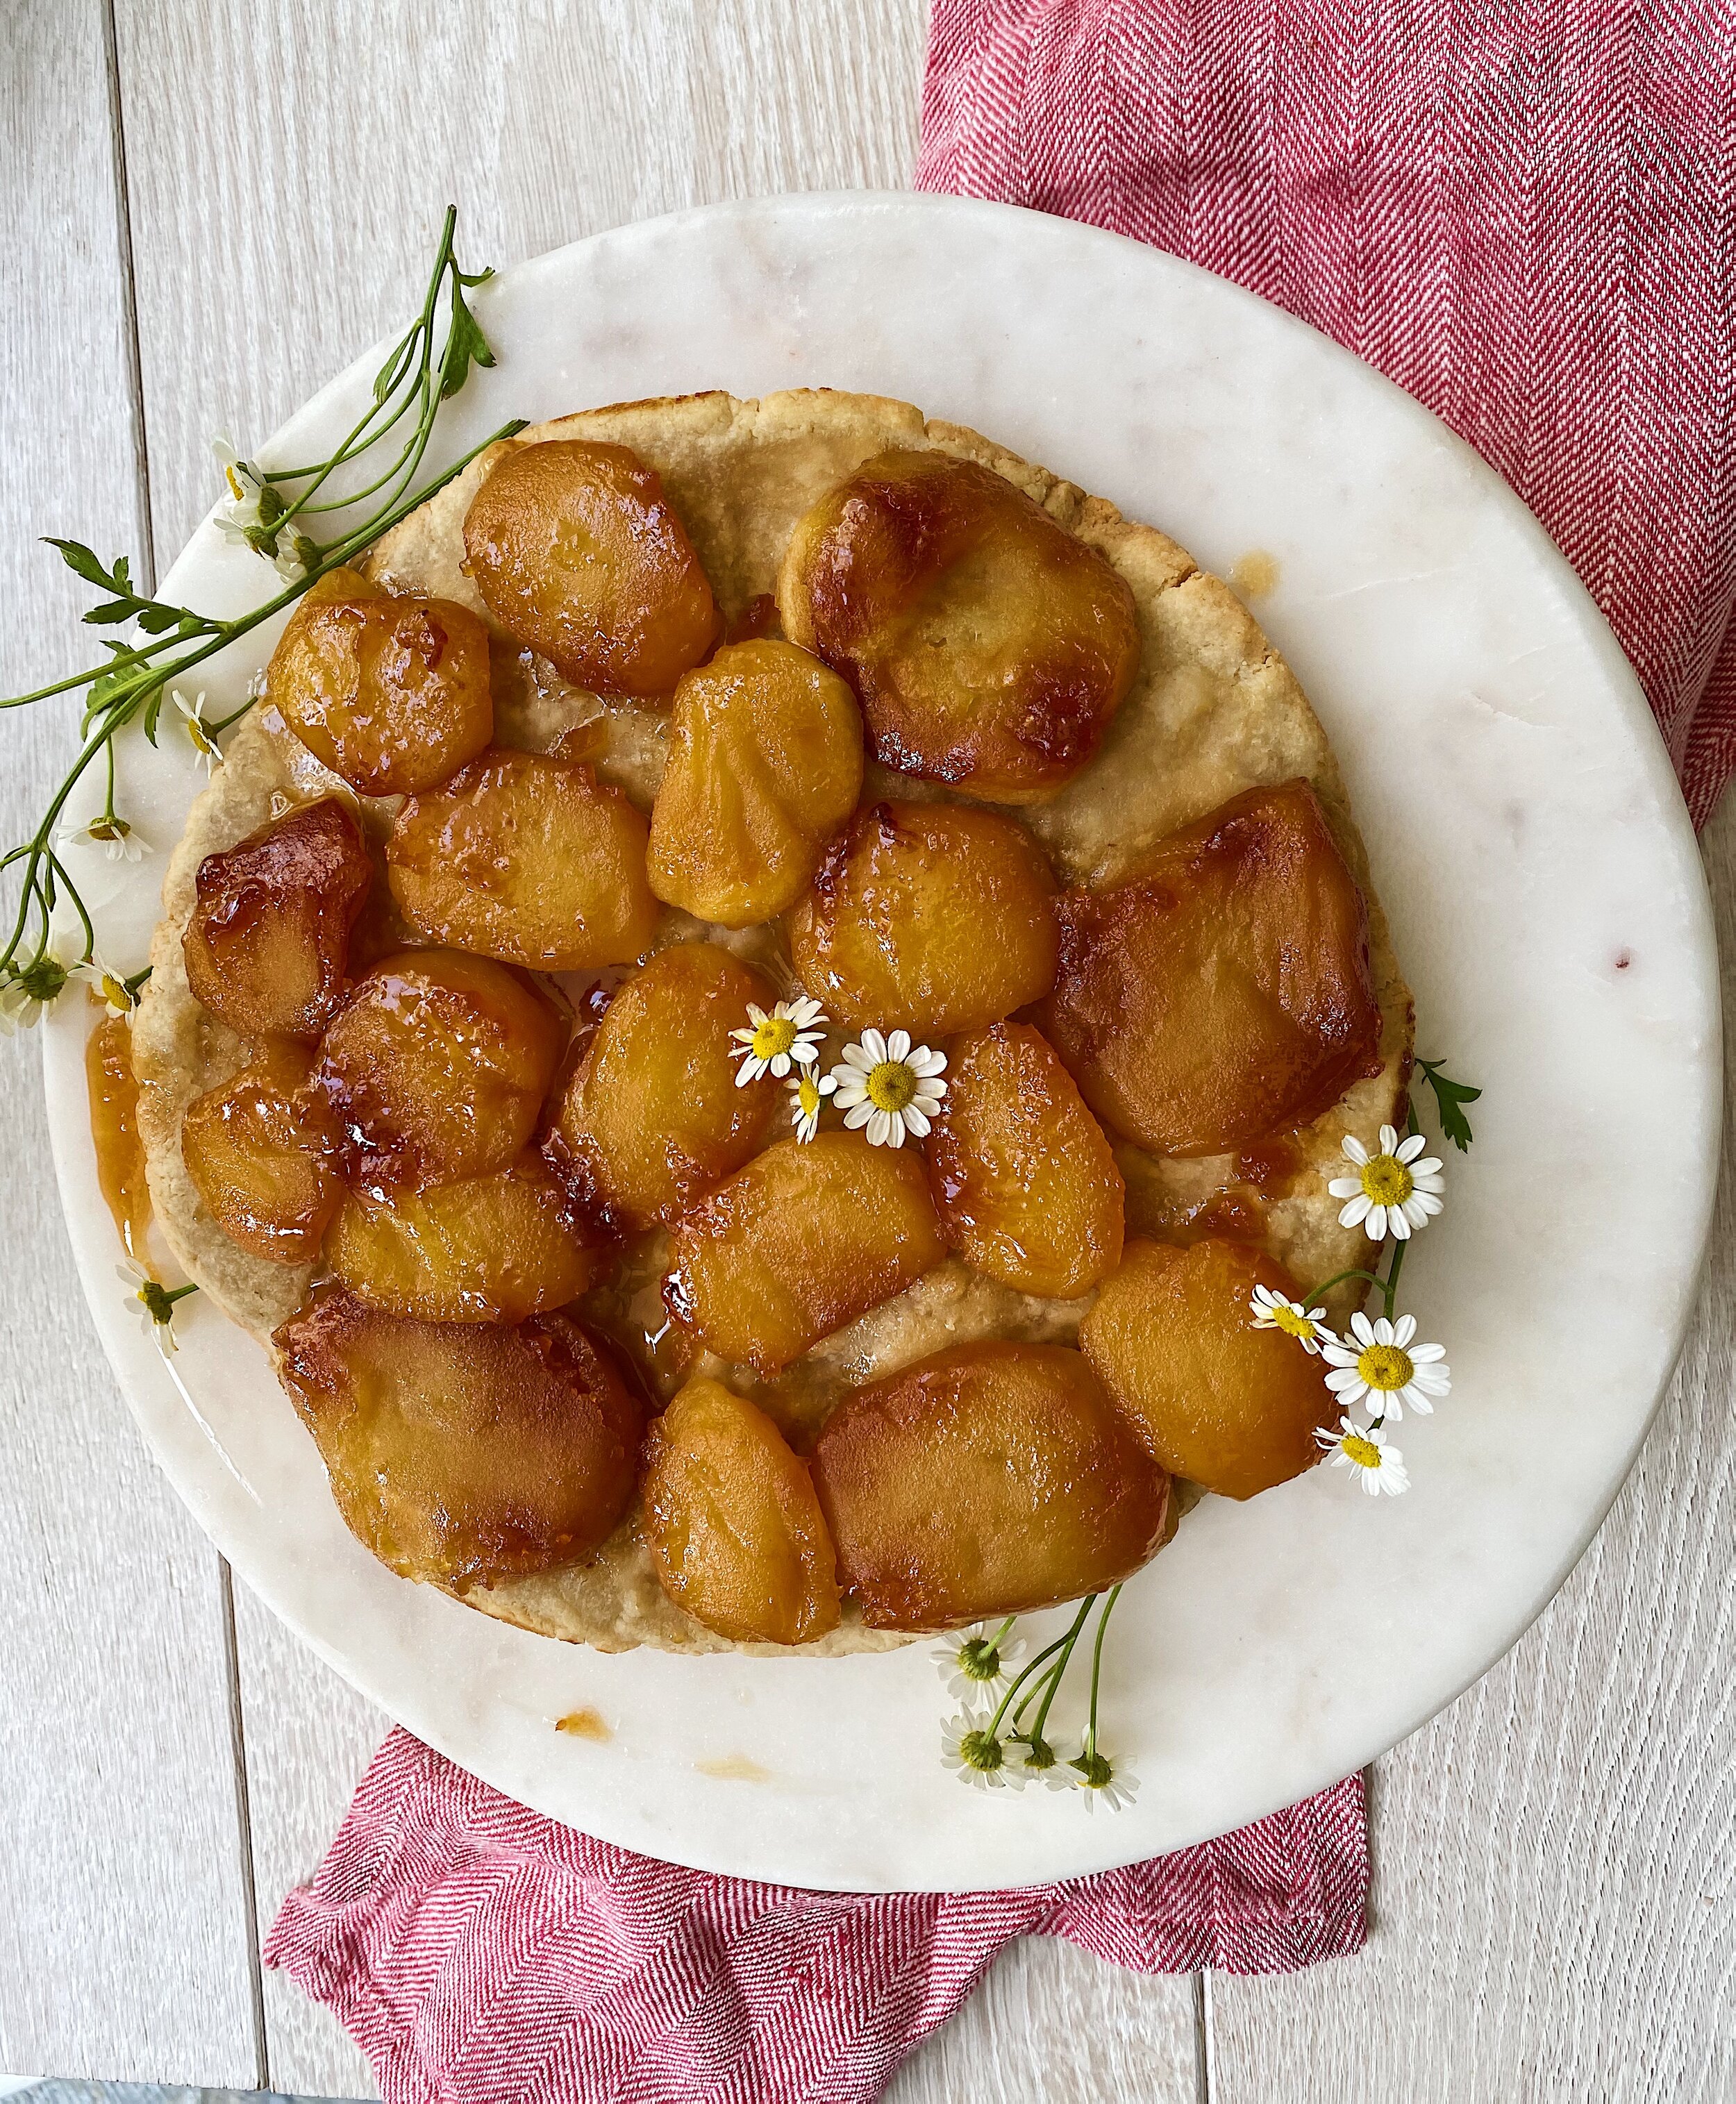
[1553, 1854]
[123, 1944]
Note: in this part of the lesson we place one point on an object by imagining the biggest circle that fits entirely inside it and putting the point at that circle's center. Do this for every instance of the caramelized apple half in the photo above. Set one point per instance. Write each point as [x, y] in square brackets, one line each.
[262, 1155]
[461, 1453]
[1229, 1407]
[990, 1479]
[527, 858]
[438, 1068]
[807, 1237]
[486, 1249]
[1025, 1183]
[649, 1117]
[267, 944]
[931, 916]
[577, 552]
[1224, 993]
[764, 766]
[392, 693]
[733, 1523]
[989, 649]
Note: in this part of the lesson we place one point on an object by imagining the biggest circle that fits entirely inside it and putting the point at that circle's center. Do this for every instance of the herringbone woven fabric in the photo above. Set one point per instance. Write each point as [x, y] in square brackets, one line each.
[1521, 211]
[480, 1954]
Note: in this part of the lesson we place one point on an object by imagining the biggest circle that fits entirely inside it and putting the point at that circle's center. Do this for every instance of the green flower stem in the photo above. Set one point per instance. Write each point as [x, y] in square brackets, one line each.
[1062, 1643]
[1103, 1622]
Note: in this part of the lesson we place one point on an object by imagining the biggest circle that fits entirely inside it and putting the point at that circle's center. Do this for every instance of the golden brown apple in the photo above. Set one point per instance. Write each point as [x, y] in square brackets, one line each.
[577, 552]
[807, 1237]
[392, 693]
[932, 916]
[438, 1068]
[990, 1479]
[462, 1453]
[267, 945]
[528, 859]
[989, 649]
[1025, 1183]
[1229, 1407]
[732, 1521]
[649, 1116]
[1223, 992]
[262, 1155]
[764, 766]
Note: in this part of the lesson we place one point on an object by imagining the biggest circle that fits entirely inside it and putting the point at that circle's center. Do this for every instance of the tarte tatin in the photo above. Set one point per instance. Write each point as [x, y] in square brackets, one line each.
[667, 713]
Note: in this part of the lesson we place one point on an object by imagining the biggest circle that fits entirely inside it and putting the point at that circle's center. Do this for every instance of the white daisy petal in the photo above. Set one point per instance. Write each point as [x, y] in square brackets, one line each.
[1402, 1331]
[1388, 1140]
[874, 1046]
[1346, 1187]
[880, 1128]
[1354, 1151]
[859, 1113]
[1408, 1150]
[1398, 1224]
[897, 1044]
[916, 1123]
[1355, 1213]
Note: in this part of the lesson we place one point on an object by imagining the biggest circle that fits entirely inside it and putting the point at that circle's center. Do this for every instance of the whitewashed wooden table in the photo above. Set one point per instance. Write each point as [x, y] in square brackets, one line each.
[207, 206]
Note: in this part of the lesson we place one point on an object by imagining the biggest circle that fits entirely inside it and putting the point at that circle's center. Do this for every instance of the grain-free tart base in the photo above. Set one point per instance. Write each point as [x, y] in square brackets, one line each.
[1212, 711]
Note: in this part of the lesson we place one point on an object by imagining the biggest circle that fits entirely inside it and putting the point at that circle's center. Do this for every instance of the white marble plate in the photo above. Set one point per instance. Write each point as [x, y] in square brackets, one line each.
[1548, 905]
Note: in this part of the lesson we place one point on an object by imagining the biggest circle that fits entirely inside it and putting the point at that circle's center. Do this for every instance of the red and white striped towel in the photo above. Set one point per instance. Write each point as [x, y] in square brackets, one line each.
[1521, 211]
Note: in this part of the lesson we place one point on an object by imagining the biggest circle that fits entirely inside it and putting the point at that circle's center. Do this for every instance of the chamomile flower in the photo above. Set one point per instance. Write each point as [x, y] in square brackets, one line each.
[973, 1752]
[1042, 1765]
[1111, 1783]
[1381, 1367]
[889, 1087]
[251, 516]
[773, 1044]
[1273, 1311]
[156, 1303]
[808, 1092]
[1393, 1192]
[1379, 1466]
[110, 985]
[118, 841]
[205, 752]
[23, 995]
[977, 1661]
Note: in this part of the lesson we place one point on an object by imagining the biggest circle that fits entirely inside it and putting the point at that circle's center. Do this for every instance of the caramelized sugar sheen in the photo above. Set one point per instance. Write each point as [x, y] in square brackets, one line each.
[486, 1249]
[934, 916]
[577, 552]
[1025, 1184]
[764, 766]
[528, 859]
[1230, 1407]
[1224, 993]
[438, 1068]
[263, 1156]
[807, 1237]
[733, 1521]
[989, 647]
[990, 1479]
[392, 693]
[649, 1116]
[267, 945]
[461, 1453]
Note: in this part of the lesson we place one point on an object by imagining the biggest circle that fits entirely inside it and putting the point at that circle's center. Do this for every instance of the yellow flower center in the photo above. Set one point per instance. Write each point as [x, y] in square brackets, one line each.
[196, 731]
[1387, 1181]
[109, 829]
[115, 992]
[776, 1034]
[1293, 1322]
[892, 1085]
[1363, 1452]
[1385, 1367]
[808, 1096]
[234, 480]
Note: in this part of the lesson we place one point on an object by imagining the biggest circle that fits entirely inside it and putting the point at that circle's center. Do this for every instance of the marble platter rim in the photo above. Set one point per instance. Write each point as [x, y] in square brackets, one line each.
[1487, 724]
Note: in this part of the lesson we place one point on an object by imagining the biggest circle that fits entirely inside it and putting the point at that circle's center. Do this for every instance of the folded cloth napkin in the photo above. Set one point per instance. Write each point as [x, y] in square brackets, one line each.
[1522, 213]
[480, 1954]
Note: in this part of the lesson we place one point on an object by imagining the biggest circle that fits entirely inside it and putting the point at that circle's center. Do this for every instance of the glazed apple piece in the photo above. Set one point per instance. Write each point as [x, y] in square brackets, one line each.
[267, 944]
[486, 1249]
[988, 648]
[262, 1155]
[733, 1523]
[577, 552]
[649, 1117]
[437, 1068]
[989, 1479]
[1223, 992]
[807, 1237]
[462, 1453]
[526, 857]
[390, 692]
[931, 916]
[1024, 1182]
[1229, 1407]
[764, 766]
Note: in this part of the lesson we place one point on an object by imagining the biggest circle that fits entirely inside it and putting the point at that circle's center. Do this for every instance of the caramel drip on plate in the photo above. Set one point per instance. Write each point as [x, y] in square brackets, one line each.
[114, 1129]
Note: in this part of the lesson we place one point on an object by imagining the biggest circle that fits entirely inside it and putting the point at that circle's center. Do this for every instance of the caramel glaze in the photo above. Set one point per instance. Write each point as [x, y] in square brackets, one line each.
[114, 1092]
